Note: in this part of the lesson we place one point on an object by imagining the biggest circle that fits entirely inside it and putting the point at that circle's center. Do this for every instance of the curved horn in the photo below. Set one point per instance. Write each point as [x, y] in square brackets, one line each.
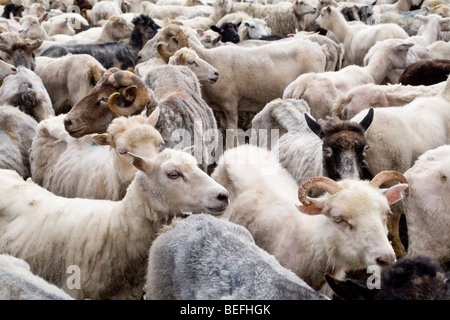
[161, 48]
[128, 79]
[388, 175]
[322, 183]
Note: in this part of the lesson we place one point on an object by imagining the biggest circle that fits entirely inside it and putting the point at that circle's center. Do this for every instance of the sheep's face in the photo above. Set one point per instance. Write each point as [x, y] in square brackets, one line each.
[205, 72]
[303, 7]
[356, 222]
[176, 184]
[325, 18]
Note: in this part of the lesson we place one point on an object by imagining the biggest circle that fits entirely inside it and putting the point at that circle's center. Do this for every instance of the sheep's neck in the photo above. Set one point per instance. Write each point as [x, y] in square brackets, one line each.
[340, 28]
[379, 67]
[430, 33]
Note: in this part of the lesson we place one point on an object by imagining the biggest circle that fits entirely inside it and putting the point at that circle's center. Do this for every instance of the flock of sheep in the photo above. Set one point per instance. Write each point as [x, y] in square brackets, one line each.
[195, 149]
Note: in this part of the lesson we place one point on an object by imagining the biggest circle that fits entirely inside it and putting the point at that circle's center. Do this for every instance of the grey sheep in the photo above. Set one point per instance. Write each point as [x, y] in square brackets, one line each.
[203, 257]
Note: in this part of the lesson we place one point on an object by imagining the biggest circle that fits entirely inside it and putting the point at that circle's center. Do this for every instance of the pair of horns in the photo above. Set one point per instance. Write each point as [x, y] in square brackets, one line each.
[331, 186]
[134, 86]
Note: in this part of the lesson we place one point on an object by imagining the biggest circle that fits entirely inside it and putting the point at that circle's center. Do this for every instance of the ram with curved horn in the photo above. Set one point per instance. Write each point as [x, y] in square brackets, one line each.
[117, 93]
[344, 229]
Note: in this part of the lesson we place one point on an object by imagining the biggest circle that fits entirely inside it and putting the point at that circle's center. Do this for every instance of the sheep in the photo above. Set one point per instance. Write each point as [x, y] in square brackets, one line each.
[406, 279]
[399, 135]
[12, 10]
[99, 162]
[17, 282]
[262, 198]
[380, 96]
[205, 72]
[112, 54]
[306, 148]
[427, 215]
[69, 78]
[253, 29]
[426, 72]
[17, 130]
[26, 91]
[357, 38]
[115, 29]
[185, 116]
[174, 11]
[223, 263]
[399, 5]
[103, 10]
[383, 57]
[16, 51]
[107, 241]
[64, 24]
[228, 32]
[239, 66]
[282, 18]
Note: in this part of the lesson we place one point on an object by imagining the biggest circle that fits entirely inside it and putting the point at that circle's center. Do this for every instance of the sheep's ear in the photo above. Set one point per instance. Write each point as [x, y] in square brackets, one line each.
[214, 28]
[445, 20]
[103, 139]
[314, 208]
[189, 150]
[200, 32]
[142, 164]
[403, 46]
[216, 40]
[349, 289]
[153, 117]
[43, 17]
[395, 193]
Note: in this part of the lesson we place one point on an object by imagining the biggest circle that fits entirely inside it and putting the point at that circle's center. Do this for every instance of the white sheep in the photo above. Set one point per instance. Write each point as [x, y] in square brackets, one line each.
[275, 65]
[399, 135]
[94, 166]
[357, 38]
[17, 130]
[17, 282]
[68, 78]
[104, 242]
[343, 230]
[373, 95]
[427, 207]
[282, 18]
[103, 10]
[26, 91]
[223, 263]
[322, 90]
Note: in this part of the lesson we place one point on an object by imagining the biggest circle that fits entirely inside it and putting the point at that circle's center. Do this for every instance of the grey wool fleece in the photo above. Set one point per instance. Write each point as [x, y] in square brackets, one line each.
[208, 258]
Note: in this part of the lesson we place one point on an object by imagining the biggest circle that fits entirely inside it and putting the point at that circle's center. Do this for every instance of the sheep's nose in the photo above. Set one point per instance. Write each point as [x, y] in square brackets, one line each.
[385, 260]
[223, 197]
[67, 123]
[216, 73]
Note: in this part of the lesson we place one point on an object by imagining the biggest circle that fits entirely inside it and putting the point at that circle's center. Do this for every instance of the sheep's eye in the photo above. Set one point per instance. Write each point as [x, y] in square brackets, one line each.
[173, 174]
[327, 152]
[191, 61]
[337, 219]
[252, 27]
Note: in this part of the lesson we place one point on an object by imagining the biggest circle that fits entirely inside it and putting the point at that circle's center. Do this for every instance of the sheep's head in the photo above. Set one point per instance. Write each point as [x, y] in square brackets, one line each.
[20, 53]
[117, 93]
[344, 145]
[118, 28]
[357, 212]
[135, 134]
[205, 72]
[175, 183]
[228, 32]
[303, 7]
[171, 39]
